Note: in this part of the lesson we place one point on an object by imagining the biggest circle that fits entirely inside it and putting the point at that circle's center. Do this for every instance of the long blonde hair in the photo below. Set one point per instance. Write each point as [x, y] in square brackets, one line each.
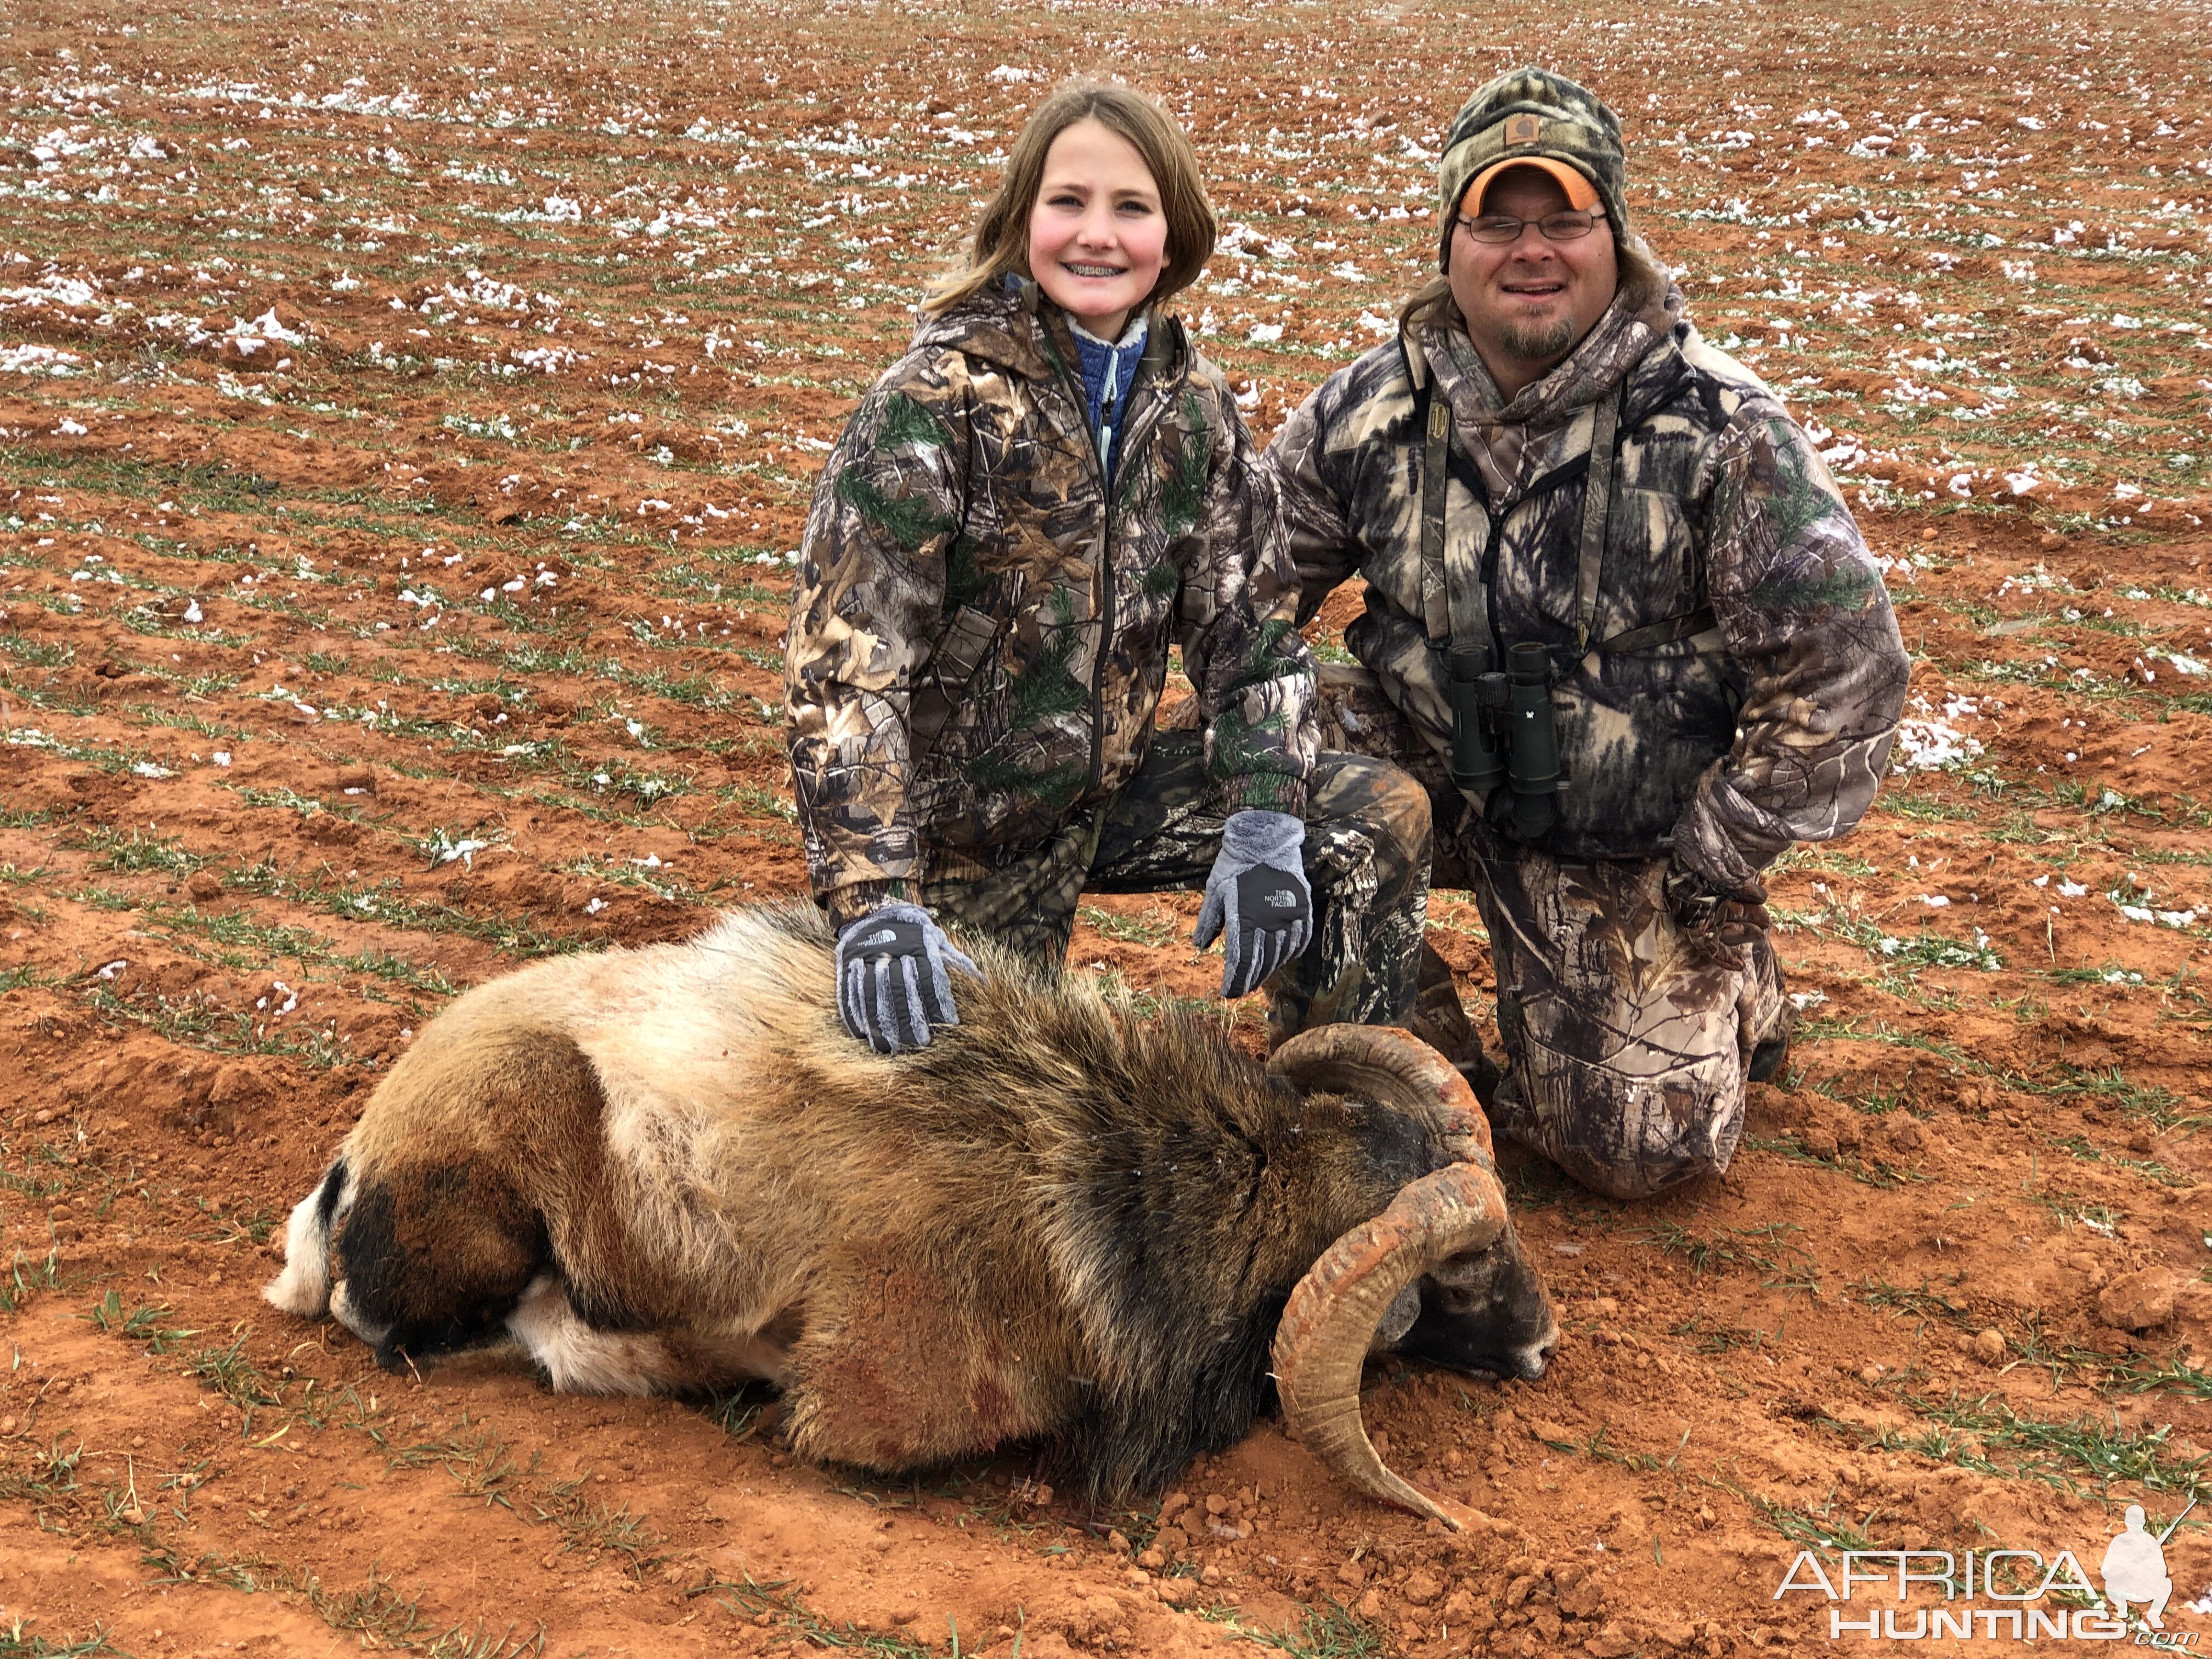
[1001, 242]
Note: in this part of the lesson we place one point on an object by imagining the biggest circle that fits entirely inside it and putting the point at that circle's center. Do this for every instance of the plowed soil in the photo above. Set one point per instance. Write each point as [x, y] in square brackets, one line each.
[406, 421]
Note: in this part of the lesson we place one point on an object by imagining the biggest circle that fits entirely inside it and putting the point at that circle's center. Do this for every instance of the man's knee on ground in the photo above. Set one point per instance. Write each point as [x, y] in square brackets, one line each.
[1628, 1137]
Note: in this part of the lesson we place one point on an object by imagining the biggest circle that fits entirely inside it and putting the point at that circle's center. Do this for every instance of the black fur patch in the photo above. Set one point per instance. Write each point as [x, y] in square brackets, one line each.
[1178, 1220]
[603, 1310]
[1133, 1444]
[1463, 1342]
[420, 1280]
[326, 1199]
[1395, 1148]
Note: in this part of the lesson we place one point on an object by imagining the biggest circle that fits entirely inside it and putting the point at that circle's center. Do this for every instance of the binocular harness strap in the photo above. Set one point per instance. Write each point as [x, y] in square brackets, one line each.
[1597, 510]
[1503, 751]
[1439, 615]
[1451, 587]
[1455, 609]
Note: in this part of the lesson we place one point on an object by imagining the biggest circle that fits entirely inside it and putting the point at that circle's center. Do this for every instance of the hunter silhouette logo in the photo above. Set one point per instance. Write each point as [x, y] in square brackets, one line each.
[2135, 1568]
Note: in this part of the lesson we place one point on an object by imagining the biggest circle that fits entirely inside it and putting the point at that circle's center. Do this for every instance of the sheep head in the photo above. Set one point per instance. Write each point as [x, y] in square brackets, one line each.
[1439, 1274]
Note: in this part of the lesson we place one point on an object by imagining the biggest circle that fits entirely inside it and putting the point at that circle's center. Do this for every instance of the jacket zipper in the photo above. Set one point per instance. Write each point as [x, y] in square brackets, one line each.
[1105, 572]
[1106, 416]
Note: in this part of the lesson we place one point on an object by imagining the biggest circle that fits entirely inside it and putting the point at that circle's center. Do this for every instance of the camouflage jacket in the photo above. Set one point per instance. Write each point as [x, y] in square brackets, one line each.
[978, 641]
[1768, 725]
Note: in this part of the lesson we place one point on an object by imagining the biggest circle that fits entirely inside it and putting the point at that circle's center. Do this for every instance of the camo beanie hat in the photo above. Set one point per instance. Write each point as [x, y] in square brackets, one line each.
[1531, 114]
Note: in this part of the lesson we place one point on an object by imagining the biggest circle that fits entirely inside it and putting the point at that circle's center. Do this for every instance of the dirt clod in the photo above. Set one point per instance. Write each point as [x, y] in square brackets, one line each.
[2138, 1301]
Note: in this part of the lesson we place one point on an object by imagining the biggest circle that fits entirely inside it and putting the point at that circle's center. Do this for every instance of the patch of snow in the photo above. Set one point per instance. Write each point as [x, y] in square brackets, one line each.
[1929, 744]
[39, 360]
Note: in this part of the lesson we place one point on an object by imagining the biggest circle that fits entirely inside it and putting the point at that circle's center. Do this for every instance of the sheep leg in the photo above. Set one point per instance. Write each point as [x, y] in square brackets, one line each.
[431, 1258]
[580, 1359]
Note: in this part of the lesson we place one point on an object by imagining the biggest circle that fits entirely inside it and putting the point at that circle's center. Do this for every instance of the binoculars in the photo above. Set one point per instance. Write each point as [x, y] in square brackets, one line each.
[1502, 732]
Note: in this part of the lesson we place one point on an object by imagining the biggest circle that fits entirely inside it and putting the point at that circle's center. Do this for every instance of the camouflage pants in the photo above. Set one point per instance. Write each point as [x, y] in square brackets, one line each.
[1625, 1043]
[1367, 856]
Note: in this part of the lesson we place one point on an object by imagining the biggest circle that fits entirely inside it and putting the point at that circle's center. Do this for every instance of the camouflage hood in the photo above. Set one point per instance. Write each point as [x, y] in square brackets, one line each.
[980, 637]
[1021, 331]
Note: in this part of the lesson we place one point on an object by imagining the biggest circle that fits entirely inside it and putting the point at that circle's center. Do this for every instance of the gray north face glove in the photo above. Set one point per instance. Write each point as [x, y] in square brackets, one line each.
[891, 980]
[1258, 894]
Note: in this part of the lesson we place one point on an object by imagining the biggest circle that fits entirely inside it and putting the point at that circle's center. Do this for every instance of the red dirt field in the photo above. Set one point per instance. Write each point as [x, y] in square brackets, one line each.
[406, 419]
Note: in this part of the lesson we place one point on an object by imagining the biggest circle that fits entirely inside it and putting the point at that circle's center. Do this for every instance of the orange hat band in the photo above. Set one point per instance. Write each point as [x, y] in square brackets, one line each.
[1581, 195]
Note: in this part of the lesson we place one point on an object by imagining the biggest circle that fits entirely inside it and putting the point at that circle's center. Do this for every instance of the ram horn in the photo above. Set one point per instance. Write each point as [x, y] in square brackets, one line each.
[1322, 1341]
[1392, 1069]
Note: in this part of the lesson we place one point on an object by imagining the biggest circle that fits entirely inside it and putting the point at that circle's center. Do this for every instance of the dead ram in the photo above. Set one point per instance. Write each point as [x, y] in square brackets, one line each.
[670, 1169]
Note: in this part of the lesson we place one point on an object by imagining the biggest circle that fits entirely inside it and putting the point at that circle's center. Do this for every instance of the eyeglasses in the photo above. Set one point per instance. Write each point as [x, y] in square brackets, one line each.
[1503, 228]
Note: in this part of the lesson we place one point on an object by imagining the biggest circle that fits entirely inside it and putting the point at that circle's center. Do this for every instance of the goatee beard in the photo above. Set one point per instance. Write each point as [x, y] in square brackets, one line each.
[1538, 342]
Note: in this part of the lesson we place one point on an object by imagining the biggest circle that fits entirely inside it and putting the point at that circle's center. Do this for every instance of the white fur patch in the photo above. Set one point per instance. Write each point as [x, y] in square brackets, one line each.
[304, 1287]
[1535, 1355]
[579, 1359]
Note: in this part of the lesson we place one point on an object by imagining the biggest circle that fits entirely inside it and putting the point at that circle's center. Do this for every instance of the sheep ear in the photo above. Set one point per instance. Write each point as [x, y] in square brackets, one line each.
[1398, 1318]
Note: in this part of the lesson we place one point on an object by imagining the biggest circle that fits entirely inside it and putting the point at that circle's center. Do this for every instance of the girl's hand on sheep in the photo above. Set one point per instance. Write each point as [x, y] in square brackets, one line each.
[1257, 897]
[892, 983]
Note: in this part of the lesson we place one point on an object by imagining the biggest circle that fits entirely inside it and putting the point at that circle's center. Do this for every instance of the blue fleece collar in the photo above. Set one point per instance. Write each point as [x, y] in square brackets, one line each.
[1108, 367]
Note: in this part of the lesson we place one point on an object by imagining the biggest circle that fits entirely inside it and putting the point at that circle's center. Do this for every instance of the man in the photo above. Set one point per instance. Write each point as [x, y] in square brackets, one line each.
[1549, 457]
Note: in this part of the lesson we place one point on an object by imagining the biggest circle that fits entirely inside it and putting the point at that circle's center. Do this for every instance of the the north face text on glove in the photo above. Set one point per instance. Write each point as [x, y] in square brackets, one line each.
[1270, 898]
[892, 982]
[1257, 898]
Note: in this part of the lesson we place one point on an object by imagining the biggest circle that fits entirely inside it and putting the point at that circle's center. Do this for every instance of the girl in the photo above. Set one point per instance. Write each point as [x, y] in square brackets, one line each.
[1020, 515]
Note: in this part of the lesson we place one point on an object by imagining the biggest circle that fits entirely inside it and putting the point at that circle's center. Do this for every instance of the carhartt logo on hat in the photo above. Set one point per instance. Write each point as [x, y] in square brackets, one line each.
[1524, 130]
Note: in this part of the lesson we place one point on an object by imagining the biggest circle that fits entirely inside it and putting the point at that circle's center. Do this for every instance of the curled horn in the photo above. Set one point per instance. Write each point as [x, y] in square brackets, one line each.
[1393, 1068]
[1321, 1344]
